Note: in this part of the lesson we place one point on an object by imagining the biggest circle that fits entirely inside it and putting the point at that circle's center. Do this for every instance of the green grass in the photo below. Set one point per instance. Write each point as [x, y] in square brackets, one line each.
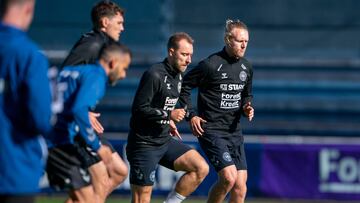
[61, 199]
[119, 199]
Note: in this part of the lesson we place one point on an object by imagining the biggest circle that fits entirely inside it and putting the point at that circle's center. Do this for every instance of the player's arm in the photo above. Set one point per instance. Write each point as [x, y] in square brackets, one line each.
[192, 79]
[148, 88]
[38, 95]
[247, 96]
[91, 90]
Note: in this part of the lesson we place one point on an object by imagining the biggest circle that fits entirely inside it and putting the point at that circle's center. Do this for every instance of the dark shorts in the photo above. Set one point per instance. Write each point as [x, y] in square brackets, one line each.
[224, 151]
[17, 198]
[67, 166]
[94, 158]
[143, 161]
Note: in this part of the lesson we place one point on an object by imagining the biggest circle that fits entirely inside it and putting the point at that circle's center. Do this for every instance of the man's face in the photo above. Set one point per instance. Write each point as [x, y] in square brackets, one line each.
[120, 66]
[115, 26]
[238, 41]
[181, 57]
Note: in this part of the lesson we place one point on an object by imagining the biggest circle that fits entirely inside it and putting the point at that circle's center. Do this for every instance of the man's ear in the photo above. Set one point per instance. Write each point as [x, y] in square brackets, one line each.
[171, 51]
[104, 22]
[227, 39]
[111, 64]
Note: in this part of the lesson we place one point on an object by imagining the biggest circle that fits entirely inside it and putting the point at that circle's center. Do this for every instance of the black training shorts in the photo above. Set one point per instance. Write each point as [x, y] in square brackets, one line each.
[223, 151]
[67, 166]
[144, 160]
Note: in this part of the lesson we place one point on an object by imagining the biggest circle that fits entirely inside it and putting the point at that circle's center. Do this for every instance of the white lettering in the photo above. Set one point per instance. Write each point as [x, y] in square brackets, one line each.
[326, 165]
[230, 97]
[229, 105]
[170, 103]
[231, 87]
[338, 174]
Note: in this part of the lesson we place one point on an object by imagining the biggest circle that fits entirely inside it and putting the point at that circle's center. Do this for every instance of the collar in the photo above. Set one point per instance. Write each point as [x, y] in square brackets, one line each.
[170, 69]
[103, 35]
[11, 28]
[227, 57]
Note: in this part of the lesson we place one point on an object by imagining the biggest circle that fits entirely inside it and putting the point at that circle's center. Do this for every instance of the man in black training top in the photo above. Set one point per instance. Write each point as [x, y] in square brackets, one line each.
[107, 19]
[153, 117]
[224, 80]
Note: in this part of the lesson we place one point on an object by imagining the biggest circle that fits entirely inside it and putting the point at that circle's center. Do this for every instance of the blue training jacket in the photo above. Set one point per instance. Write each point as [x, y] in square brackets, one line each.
[25, 112]
[83, 86]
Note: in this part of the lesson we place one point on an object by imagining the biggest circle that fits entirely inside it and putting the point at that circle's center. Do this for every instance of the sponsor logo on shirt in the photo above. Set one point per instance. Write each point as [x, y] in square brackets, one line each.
[230, 101]
[170, 103]
[231, 87]
[224, 75]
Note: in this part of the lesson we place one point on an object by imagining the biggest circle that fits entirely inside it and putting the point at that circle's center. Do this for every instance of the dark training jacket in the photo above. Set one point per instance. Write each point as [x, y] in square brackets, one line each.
[225, 86]
[87, 49]
[155, 98]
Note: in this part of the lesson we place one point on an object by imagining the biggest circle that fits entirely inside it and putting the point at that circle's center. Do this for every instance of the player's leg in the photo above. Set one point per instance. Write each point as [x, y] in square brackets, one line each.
[238, 192]
[217, 150]
[83, 195]
[226, 180]
[196, 169]
[181, 157]
[143, 163]
[117, 169]
[140, 194]
[100, 180]
[98, 172]
[66, 171]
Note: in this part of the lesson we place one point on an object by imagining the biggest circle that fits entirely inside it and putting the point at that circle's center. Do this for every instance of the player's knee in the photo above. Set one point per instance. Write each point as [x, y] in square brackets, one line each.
[228, 179]
[202, 171]
[119, 174]
[240, 191]
[142, 195]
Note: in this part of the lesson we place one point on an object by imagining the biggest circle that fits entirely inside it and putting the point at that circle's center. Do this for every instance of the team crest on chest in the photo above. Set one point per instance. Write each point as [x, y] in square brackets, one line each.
[243, 76]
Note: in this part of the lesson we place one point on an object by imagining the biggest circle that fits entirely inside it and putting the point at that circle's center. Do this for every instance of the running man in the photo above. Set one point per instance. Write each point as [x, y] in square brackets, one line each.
[74, 144]
[224, 81]
[108, 23]
[153, 117]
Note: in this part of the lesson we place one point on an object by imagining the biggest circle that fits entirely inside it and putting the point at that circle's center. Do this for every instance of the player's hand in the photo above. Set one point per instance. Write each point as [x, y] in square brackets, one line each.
[177, 114]
[196, 126]
[249, 111]
[95, 123]
[173, 130]
[105, 154]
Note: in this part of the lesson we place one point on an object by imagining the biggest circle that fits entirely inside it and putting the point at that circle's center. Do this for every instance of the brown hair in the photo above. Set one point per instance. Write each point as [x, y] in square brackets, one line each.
[105, 8]
[175, 38]
[113, 47]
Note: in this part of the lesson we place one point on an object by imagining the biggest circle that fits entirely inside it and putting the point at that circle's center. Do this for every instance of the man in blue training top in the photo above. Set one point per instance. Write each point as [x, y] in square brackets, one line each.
[25, 104]
[75, 146]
